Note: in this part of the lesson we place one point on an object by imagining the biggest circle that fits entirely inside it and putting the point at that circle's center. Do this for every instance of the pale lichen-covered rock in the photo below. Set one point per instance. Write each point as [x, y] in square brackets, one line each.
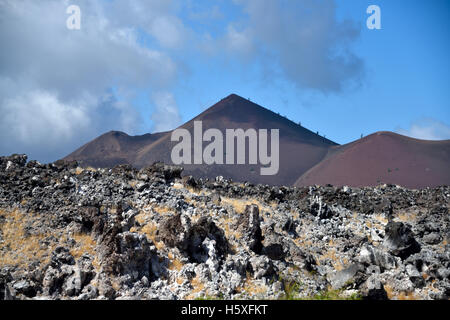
[68, 232]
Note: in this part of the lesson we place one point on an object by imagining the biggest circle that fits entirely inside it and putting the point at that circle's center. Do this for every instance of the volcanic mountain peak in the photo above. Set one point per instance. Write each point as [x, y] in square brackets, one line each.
[235, 111]
[305, 157]
[232, 106]
[383, 157]
[299, 148]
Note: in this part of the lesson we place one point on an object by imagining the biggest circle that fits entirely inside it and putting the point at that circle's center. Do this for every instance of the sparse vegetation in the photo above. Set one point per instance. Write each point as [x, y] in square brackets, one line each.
[174, 263]
[206, 297]
[196, 229]
[402, 295]
[334, 295]
[197, 287]
[291, 289]
[252, 287]
[18, 247]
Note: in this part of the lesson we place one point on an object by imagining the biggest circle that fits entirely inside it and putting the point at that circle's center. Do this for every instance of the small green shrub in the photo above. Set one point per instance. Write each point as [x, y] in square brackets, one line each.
[334, 295]
[291, 289]
[219, 297]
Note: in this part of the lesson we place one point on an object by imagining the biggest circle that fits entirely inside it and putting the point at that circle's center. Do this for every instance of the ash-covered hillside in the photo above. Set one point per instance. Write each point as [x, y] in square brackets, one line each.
[122, 233]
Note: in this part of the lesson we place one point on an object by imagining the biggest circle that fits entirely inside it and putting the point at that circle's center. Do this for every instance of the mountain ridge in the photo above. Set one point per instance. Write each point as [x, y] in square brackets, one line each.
[383, 157]
[306, 158]
[300, 148]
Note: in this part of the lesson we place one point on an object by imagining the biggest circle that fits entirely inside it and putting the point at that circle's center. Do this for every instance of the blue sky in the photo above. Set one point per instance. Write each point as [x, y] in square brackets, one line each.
[406, 81]
[407, 74]
[152, 65]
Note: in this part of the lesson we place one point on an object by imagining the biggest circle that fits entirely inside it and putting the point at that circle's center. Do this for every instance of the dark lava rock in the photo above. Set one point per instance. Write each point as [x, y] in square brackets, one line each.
[189, 238]
[205, 228]
[353, 275]
[170, 231]
[164, 171]
[400, 240]
[134, 256]
[273, 247]
[248, 224]
[320, 209]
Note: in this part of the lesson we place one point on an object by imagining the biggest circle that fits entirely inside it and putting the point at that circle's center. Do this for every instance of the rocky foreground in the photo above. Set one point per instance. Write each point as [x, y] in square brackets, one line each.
[73, 233]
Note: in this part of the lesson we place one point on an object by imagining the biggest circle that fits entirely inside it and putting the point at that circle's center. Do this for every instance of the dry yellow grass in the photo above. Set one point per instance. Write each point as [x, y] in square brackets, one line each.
[294, 214]
[85, 243]
[240, 204]
[337, 263]
[406, 296]
[302, 242]
[20, 249]
[80, 170]
[302, 239]
[178, 186]
[150, 231]
[190, 189]
[406, 216]
[197, 286]
[389, 291]
[148, 228]
[113, 210]
[227, 225]
[237, 204]
[190, 200]
[380, 218]
[392, 295]
[132, 183]
[115, 283]
[252, 287]
[162, 209]
[174, 263]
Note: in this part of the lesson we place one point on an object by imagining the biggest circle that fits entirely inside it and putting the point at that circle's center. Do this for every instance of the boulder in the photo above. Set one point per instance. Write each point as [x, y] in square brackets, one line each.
[400, 240]
[177, 231]
[370, 255]
[274, 247]
[320, 209]
[262, 267]
[353, 275]
[249, 225]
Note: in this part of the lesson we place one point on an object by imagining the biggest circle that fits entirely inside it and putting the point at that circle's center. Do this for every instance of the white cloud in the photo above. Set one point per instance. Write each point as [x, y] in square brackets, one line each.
[39, 116]
[56, 85]
[304, 38]
[238, 41]
[59, 87]
[157, 17]
[169, 31]
[166, 117]
[427, 129]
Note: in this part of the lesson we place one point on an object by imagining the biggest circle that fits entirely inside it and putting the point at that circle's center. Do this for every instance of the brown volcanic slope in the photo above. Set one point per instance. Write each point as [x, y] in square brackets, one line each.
[300, 149]
[383, 157]
[112, 148]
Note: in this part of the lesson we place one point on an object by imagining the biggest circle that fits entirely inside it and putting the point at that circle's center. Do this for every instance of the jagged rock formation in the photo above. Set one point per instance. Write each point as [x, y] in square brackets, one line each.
[123, 233]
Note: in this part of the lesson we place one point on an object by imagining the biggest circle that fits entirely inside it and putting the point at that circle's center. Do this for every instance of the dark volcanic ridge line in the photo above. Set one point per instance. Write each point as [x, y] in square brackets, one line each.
[305, 157]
